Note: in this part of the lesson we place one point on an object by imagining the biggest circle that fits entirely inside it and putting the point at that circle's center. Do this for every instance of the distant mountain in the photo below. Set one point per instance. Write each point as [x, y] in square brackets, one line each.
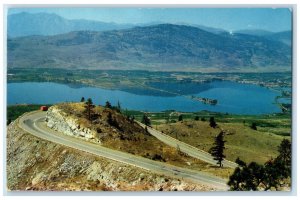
[284, 36]
[25, 24]
[256, 32]
[158, 47]
[205, 28]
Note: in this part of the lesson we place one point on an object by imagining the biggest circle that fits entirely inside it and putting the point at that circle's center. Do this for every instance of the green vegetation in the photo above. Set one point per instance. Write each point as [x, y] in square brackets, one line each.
[145, 82]
[180, 118]
[89, 106]
[212, 122]
[250, 145]
[13, 112]
[217, 151]
[108, 104]
[253, 126]
[272, 175]
[146, 120]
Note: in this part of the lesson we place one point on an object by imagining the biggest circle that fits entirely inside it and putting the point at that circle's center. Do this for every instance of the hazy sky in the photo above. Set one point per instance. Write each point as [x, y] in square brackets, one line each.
[226, 18]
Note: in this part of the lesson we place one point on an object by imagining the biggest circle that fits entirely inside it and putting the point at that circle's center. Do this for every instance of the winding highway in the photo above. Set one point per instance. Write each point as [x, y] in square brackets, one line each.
[186, 148]
[34, 123]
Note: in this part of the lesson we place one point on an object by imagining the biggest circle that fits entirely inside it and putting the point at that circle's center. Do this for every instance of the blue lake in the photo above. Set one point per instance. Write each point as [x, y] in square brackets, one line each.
[232, 97]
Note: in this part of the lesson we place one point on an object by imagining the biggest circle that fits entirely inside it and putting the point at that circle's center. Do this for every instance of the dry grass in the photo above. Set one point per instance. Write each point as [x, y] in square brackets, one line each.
[242, 141]
[130, 137]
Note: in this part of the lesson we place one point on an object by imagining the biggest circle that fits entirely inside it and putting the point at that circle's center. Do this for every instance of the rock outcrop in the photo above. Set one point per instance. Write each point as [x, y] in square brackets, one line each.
[36, 164]
[58, 120]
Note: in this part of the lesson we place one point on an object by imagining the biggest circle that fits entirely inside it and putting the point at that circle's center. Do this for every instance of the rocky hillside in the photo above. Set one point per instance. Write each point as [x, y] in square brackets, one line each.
[62, 122]
[158, 47]
[110, 128]
[36, 164]
[104, 123]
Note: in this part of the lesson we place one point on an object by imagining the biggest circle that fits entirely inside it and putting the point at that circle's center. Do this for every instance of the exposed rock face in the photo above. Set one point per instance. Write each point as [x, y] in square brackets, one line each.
[36, 164]
[60, 121]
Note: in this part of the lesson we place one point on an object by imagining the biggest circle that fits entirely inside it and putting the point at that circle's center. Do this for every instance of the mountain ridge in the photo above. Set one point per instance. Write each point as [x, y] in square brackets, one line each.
[282, 36]
[26, 24]
[153, 47]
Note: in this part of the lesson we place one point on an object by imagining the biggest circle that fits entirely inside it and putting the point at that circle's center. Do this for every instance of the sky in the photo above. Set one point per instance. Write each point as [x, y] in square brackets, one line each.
[230, 19]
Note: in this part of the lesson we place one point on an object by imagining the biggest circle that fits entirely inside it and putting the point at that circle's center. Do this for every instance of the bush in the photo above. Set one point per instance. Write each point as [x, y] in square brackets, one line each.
[180, 118]
[253, 126]
[212, 122]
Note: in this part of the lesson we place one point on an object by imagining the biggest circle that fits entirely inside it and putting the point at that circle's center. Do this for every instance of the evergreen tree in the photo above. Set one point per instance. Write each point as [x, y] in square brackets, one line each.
[180, 118]
[108, 104]
[146, 120]
[89, 101]
[82, 99]
[285, 153]
[113, 121]
[253, 126]
[196, 118]
[119, 107]
[284, 159]
[89, 105]
[132, 119]
[240, 162]
[246, 177]
[212, 122]
[270, 175]
[217, 151]
[110, 120]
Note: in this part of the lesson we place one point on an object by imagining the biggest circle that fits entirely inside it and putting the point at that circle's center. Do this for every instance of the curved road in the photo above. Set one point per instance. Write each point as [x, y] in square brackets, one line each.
[186, 148]
[34, 123]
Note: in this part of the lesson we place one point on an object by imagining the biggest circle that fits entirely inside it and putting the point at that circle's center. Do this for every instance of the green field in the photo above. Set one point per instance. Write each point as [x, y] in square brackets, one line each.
[144, 82]
[279, 124]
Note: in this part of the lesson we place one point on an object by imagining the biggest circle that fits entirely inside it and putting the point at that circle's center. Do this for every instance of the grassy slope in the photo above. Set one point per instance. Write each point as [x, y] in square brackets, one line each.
[242, 141]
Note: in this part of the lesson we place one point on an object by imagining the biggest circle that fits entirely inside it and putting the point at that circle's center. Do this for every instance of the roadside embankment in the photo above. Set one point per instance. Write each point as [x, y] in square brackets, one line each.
[37, 164]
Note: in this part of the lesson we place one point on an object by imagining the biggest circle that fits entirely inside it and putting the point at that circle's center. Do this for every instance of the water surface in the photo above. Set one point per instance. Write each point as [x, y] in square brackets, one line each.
[232, 97]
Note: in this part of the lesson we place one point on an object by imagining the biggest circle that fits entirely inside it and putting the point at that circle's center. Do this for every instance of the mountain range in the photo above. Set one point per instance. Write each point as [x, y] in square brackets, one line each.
[25, 24]
[284, 36]
[152, 47]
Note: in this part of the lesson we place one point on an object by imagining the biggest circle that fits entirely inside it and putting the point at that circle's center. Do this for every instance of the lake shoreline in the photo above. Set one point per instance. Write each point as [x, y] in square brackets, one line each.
[227, 93]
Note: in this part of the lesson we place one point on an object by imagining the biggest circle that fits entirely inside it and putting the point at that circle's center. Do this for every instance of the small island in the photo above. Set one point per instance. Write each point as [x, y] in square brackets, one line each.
[205, 100]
